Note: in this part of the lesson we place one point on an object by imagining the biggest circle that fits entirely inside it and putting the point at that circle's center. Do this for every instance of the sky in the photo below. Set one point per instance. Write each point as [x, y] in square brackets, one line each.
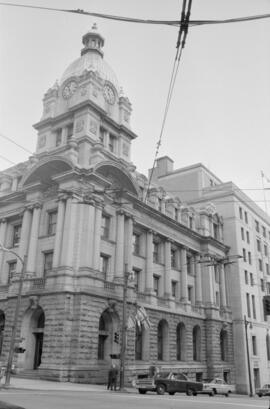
[220, 108]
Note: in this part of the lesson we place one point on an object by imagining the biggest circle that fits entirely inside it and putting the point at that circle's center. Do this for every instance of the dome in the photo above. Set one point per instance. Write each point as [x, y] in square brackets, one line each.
[91, 62]
[91, 59]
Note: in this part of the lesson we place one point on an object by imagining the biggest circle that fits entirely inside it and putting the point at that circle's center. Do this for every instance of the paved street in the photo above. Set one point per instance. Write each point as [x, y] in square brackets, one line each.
[114, 400]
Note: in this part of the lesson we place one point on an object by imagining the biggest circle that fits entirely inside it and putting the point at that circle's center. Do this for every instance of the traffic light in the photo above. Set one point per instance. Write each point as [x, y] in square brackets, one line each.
[116, 337]
[266, 305]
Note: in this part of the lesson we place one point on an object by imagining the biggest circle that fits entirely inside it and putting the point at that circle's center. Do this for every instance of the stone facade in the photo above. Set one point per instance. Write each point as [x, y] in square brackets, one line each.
[85, 222]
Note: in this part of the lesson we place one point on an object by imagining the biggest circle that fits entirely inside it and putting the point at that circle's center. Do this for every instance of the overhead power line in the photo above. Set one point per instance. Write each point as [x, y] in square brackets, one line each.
[175, 23]
[16, 143]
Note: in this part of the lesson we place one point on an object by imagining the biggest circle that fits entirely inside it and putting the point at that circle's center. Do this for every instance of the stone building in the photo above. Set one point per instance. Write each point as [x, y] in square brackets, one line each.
[86, 219]
[247, 231]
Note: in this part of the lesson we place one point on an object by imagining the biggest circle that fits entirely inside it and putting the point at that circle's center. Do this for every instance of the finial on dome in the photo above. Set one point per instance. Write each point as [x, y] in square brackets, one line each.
[93, 41]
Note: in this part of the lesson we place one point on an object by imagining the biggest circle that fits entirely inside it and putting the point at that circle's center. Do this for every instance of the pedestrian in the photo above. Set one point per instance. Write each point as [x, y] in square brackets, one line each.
[112, 378]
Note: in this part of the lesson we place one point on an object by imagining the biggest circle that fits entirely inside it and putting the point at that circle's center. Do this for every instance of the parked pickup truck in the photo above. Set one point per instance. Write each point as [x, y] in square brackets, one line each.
[169, 382]
[219, 386]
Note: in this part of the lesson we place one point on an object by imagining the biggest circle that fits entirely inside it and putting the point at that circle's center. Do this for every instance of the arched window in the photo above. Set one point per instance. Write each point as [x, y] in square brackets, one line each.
[196, 337]
[2, 327]
[223, 345]
[103, 334]
[268, 346]
[139, 343]
[180, 342]
[162, 341]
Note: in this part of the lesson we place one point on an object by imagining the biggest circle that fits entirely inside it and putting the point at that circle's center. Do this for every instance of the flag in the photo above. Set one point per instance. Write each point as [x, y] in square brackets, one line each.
[265, 177]
[142, 317]
[131, 322]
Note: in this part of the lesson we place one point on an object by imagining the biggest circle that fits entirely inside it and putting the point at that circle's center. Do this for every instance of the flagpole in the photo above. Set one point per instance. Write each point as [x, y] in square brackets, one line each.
[265, 202]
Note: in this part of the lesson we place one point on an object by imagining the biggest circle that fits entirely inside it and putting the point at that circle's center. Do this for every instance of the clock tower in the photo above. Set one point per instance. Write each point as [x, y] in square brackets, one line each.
[86, 116]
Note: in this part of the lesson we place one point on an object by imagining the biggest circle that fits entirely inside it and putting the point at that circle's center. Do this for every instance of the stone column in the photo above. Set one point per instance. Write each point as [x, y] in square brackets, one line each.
[222, 286]
[87, 243]
[198, 281]
[128, 242]
[69, 233]
[119, 250]
[168, 267]
[149, 262]
[59, 232]
[97, 236]
[32, 252]
[184, 289]
[3, 230]
[24, 240]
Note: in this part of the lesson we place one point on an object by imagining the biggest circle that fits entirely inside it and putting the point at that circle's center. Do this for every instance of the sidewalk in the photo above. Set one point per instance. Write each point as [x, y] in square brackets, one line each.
[41, 385]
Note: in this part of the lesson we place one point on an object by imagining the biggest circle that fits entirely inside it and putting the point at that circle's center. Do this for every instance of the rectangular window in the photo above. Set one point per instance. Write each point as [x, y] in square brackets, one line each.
[176, 213]
[264, 231]
[251, 279]
[265, 250]
[215, 230]
[111, 145]
[249, 258]
[246, 217]
[262, 284]
[48, 261]
[216, 270]
[260, 265]
[248, 304]
[174, 283]
[241, 213]
[254, 345]
[242, 233]
[190, 222]
[136, 244]
[258, 245]
[190, 293]
[16, 235]
[156, 285]
[268, 288]
[247, 234]
[104, 264]
[52, 219]
[69, 131]
[173, 258]
[253, 306]
[244, 255]
[217, 298]
[257, 226]
[189, 267]
[11, 269]
[136, 278]
[246, 277]
[105, 226]
[102, 134]
[267, 268]
[159, 204]
[58, 137]
[155, 252]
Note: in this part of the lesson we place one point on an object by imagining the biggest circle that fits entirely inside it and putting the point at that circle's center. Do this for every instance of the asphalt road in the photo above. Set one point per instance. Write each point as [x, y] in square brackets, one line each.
[115, 400]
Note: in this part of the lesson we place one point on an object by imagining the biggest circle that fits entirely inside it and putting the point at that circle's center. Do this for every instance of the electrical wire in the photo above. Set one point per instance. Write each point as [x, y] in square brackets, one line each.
[8, 160]
[15, 143]
[175, 23]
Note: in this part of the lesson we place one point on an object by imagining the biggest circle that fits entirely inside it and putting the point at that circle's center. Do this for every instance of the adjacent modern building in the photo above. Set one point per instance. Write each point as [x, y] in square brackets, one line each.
[246, 230]
[78, 214]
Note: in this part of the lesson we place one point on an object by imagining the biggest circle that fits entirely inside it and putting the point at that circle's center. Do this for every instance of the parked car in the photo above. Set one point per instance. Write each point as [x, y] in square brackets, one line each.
[169, 382]
[219, 386]
[264, 391]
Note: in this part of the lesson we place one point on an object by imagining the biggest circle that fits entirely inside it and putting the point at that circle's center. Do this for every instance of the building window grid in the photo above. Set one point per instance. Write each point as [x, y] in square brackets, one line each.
[244, 255]
[253, 306]
[16, 235]
[246, 217]
[48, 261]
[156, 285]
[248, 305]
[251, 279]
[246, 277]
[104, 264]
[254, 345]
[249, 258]
[247, 234]
[105, 226]
[136, 243]
[242, 233]
[241, 213]
[173, 286]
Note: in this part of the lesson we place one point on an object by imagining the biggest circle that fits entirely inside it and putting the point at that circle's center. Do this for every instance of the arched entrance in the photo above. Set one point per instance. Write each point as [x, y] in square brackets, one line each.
[32, 336]
[108, 335]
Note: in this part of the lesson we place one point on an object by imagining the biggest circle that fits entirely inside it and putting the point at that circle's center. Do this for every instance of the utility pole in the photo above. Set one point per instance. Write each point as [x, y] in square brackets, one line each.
[246, 323]
[124, 331]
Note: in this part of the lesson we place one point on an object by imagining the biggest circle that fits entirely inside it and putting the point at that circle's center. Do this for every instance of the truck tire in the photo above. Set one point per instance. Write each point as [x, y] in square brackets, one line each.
[161, 389]
[215, 391]
[142, 391]
[211, 393]
[171, 393]
[189, 392]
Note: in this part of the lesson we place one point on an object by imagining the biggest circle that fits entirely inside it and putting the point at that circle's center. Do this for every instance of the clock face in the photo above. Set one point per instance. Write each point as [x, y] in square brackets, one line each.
[109, 94]
[69, 89]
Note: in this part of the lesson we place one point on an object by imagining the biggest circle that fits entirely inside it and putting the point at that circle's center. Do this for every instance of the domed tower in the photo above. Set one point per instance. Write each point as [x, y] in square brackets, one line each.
[86, 116]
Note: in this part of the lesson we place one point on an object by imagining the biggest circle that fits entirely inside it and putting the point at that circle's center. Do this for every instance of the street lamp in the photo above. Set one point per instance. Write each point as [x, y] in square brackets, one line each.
[16, 314]
[248, 323]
